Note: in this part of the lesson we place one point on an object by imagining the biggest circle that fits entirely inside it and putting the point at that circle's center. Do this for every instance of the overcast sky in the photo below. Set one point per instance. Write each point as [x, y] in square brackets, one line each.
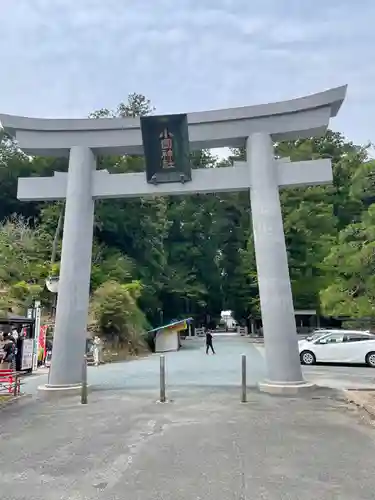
[66, 58]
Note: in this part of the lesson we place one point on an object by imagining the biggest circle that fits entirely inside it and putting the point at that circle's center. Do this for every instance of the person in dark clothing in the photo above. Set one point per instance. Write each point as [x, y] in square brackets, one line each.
[8, 337]
[9, 348]
[209, 342]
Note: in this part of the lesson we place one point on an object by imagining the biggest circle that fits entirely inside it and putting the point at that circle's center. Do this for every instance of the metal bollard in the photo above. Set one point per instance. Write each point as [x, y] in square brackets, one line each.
[15, 388]
[84, 382]
[243, 395]
[162, 378]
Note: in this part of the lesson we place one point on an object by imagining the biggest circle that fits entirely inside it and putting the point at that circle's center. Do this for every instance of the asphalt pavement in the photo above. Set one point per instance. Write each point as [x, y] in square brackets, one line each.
[188, 367]
[192, 367]
[203, 444]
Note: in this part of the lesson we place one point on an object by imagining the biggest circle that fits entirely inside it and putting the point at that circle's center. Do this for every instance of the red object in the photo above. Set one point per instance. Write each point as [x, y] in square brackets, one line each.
[42, 336]
[42, 339]
[7, 376]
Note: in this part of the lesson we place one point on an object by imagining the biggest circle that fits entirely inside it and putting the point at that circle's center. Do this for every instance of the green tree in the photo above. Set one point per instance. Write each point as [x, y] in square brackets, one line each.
[136, 105]
[117, 317]
[134, 228]
[235, 239]
[195, 255]
[350, 265]
[192, 279]
[23, 261]
[313, 216]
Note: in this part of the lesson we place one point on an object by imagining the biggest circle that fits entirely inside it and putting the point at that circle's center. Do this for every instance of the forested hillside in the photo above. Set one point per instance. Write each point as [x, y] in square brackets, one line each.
[171, 257]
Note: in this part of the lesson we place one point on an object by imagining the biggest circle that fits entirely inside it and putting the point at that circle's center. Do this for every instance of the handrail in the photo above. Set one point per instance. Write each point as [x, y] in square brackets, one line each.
[10, 382]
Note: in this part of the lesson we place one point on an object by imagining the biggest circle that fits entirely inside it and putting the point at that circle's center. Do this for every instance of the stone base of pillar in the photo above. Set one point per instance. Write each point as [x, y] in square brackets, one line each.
[48, 392]
[286, 388]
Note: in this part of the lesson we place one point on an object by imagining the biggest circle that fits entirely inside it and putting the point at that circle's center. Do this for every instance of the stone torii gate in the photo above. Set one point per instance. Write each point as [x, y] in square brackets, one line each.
[255, 127]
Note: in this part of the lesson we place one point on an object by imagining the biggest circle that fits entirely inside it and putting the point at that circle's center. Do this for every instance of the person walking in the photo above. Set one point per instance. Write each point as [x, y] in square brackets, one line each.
[209, 342]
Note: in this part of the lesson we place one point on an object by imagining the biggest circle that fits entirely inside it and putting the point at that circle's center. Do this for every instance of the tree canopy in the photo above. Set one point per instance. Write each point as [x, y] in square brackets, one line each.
[195, 255]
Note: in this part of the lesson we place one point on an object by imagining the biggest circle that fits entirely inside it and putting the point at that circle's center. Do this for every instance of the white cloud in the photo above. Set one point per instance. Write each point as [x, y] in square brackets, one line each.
[68, 57]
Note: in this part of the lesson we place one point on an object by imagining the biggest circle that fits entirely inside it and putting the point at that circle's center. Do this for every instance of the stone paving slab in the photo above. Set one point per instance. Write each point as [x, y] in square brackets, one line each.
[204, 445]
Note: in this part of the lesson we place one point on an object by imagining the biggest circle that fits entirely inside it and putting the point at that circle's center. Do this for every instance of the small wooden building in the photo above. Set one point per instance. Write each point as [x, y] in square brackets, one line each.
[167, 337]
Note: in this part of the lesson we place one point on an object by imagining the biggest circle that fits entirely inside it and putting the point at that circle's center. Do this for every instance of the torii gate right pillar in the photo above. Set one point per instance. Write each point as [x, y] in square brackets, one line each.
[279, 327]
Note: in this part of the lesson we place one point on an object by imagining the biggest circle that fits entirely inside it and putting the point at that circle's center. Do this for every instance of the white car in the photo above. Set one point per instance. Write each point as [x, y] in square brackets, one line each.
[338, 346]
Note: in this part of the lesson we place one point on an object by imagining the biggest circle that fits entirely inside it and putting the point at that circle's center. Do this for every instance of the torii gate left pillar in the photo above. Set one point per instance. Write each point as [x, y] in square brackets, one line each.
[75, 271]
[261, 175]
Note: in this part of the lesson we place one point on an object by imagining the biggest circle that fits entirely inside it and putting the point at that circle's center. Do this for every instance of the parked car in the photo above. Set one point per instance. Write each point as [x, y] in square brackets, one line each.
[338, 346]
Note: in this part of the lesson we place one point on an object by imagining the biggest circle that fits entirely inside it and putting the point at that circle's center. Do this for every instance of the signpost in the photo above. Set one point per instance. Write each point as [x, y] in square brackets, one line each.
[166, 148]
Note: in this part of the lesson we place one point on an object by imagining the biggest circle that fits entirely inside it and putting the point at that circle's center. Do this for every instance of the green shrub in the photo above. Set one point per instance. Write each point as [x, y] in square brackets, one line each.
[117, 317]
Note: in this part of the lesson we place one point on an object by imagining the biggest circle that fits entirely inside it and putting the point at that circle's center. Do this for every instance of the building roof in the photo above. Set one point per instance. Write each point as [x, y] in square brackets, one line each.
[169, 325]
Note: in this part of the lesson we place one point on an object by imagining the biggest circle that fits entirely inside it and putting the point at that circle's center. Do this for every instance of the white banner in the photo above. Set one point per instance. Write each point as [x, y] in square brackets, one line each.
[27, 354]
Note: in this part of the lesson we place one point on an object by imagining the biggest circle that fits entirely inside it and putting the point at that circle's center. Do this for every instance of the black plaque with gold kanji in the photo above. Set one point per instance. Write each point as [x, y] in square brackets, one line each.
[166, 148]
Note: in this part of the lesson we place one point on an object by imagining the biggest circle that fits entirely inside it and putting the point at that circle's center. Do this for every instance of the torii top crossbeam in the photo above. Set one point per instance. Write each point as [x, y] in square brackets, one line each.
[286, 120]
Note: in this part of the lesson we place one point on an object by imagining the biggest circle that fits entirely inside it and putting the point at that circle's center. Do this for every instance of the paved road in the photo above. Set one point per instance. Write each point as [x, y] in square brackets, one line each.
[205, 445]
[191, 367]
[341, 377]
